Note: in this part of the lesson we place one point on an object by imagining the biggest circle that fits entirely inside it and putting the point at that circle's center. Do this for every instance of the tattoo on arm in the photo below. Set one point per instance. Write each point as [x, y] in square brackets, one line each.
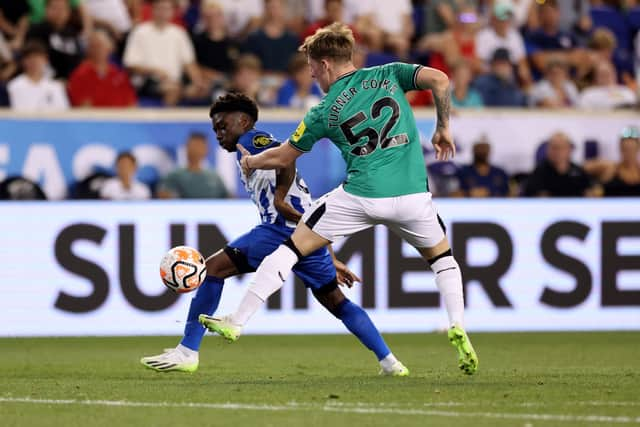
[443, 107]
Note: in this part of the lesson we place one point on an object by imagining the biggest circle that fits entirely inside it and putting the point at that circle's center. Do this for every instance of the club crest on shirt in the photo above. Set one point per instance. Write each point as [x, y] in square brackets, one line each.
[299, 132]
[261, 141]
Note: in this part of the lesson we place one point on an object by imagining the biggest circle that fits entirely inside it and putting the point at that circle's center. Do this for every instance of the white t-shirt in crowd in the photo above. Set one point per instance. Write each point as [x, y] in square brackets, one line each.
[487, 41]
[168, 48]
[44, 95]
[387, 14]
[238, 13]
[545, 90]
[112, 189]
[112, 11]
[606, 97]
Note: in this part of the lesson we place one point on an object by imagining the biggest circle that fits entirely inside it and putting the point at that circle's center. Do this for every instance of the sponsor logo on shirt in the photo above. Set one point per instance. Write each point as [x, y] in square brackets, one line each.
[299, 132]
[261, 141]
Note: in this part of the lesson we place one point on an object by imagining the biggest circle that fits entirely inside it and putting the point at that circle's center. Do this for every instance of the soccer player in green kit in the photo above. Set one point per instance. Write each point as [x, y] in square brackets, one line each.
[366, 115]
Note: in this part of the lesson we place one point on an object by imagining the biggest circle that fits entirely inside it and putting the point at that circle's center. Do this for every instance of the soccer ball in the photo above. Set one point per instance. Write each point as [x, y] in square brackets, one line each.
[182, 269]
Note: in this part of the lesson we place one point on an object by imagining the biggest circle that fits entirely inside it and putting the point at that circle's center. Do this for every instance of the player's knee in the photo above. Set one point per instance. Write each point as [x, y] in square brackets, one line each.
[289, 244]
[331, 298]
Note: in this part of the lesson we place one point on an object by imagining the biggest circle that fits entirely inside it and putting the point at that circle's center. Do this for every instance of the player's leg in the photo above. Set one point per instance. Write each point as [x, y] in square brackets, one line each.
[184, 357]
[334, 215]
[417, 222]
[318, 274]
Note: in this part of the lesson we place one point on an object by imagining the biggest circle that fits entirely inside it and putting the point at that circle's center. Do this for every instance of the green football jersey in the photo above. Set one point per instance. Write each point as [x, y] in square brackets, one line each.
[366, 115]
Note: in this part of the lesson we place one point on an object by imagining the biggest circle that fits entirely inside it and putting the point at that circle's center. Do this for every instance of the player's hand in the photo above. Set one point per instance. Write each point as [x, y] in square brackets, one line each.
[244, 160]
[345, 276]
[443, 143]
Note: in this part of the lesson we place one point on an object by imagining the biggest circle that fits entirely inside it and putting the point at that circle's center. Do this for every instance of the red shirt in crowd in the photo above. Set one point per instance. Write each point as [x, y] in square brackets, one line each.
[88, 88]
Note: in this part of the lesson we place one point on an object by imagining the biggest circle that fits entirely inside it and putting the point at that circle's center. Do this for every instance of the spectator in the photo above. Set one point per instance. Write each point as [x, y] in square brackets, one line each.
[441, 15]
[449, 47]
[300, 90]
[626, 178]
[178, 15]
[502, 34]
[193, 182]
[14, 21]
[111, 15]
[480, 178]
[62, 35]
[247, 73]
[273, 43]
[125, 186]
[242, 16]
[523, 13]
[34, 90]
[557, 175]
[603, 47]
[7, 64]
[333, 12]
[549, 41]
[556, 90]
[499, 87]
[385, 24]
[575, 18]
[215, 50]
[39, 12]
[606, 93]
[98, 83]
[462, 95]
[158, 53]
[623, 178]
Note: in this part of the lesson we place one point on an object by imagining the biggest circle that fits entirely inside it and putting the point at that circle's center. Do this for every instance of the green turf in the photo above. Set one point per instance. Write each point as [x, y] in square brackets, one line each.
[327, 381]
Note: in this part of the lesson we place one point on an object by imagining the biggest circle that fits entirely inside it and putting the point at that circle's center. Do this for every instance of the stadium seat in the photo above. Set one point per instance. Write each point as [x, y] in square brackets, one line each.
[541, 152]
[591, 149]
[89, 188]
[443, 178]
[379, 58]
[20, 188]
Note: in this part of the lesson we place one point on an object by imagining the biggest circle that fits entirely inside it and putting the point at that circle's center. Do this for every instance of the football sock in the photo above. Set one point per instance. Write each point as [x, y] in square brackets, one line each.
[388, 362]
[449, 282]
[206, 301]
[186, 350]
[270, 277]
[359, 324]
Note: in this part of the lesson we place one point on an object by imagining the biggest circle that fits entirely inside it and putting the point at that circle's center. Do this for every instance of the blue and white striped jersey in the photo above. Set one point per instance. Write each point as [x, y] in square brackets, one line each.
[261, 185]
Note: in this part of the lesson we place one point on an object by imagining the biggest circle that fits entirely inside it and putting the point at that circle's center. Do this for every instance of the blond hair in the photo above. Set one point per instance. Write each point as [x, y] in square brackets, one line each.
[333, 42]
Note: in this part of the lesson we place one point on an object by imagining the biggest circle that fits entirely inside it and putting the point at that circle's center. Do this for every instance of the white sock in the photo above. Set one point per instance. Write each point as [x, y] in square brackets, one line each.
[449, 282]
[248, 306]
[186, 351]
[270, 277]
[388, 362]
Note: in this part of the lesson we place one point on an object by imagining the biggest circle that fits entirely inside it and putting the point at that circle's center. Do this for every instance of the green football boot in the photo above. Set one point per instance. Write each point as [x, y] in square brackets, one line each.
[467, 358]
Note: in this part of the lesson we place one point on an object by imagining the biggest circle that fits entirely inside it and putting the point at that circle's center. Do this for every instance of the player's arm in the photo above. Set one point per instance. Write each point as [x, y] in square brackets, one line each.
[275, 158]
[284, 179]
[438, 82]
[344, 276]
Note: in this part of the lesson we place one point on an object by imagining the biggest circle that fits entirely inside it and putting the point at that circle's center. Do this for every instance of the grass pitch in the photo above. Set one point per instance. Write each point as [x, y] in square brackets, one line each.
[528, 379]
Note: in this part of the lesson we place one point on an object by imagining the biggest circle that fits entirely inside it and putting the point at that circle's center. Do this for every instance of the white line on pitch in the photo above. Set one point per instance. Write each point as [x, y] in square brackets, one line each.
[361, 408]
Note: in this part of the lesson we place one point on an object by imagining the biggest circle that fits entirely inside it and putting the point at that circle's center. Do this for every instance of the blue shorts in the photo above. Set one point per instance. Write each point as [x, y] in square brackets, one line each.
[247, 252]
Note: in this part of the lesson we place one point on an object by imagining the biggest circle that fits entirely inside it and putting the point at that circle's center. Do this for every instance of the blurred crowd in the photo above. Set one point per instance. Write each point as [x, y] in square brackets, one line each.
[58, 54]
[556, 173]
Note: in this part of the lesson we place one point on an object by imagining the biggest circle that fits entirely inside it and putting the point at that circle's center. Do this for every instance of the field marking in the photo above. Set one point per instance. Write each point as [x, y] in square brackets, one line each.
[354, 408]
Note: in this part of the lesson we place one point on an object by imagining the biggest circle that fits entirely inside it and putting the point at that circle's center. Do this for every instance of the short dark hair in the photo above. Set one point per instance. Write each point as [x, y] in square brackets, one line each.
[126, 155]
[33, 47]
[235, 102]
